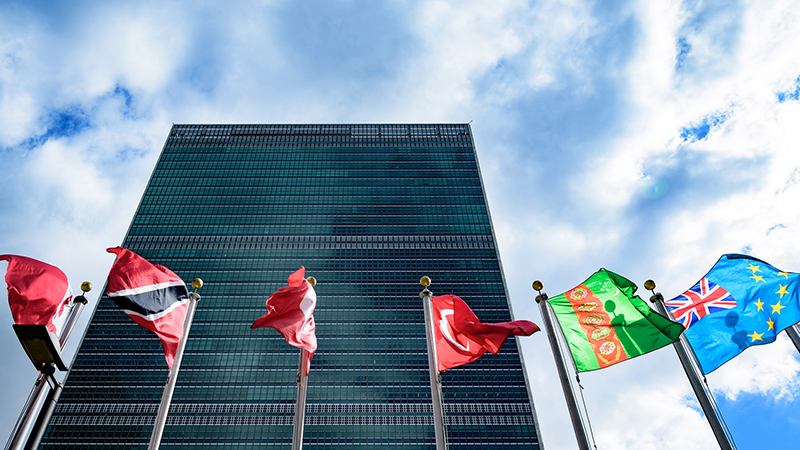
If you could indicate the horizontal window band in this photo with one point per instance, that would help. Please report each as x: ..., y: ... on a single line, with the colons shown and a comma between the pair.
x: 304, y: 246
x: 311, y: 408
x: 288, y: 420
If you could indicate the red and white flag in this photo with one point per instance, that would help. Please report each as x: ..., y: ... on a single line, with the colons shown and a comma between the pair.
x: 38, y: 293
x: 152, y: 295
x: 291, y: 312
x: 462, y: 338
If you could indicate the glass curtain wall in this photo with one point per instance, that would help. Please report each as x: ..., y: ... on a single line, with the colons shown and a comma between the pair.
x: 368, y: 210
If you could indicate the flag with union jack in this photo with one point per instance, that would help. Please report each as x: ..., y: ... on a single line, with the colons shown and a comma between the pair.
x: 741, y: 302
x: 703, y: 298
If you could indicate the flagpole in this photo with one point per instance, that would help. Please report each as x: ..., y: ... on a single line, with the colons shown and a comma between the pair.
x: 38, y: 394
x: 689, y: 362
x: 433, y: 367
x: 794, y: 334
x: 302, y: 387
x: 166, y: 398
x: 566, y: 385
x: 300, y: 404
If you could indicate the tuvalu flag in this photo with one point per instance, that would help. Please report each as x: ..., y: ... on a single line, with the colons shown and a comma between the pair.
x: 605, y: 323
x: 742, y: 301
x: 462, y: 338
x: 152, y: 295
x: 291, y: 312
x: 38, y: 293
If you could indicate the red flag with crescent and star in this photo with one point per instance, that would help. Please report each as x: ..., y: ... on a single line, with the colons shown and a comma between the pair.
x: 291, y: 312
x: 462, y: 338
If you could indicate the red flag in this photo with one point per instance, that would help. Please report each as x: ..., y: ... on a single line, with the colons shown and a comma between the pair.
x: 152, y: 295
x: 38, y: 293
x: 291, y: 312
x: 462, y: 338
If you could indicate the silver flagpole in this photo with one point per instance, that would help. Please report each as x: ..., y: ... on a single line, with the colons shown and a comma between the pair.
x: 566, y: 385
x: 38, y: 393
x: 690, y: 365
x: 436, y: 385
x: 302, y: 387
x: 794, y: 334
x: 300, y: 404
x: 172, y: 378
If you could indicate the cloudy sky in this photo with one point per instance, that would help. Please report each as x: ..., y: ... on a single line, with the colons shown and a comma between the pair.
x: 645, y: 137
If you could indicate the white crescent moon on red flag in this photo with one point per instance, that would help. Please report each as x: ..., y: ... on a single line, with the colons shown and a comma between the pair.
x: 444, y: 326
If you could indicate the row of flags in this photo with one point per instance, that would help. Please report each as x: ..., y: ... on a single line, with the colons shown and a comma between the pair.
x: 741, y: 302
x: 156, y: 298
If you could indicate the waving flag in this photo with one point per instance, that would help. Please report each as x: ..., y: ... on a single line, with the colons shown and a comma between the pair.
x: 742, y: 301
x: 38, y: 293
x: 605, y: 323
x: 291, y: 312
x: 462, y: 338
x: 150, y: 294
x: 704, y: 298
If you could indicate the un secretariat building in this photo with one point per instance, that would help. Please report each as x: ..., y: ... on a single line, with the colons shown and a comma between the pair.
x: 368, y: 210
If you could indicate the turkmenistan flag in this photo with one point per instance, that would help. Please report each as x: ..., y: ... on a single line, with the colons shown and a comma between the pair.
x: 605, y: 323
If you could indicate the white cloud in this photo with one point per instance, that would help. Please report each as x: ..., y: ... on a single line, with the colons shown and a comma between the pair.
x: 646, y: 417
x: 770, y: 370
x: 577, y: 109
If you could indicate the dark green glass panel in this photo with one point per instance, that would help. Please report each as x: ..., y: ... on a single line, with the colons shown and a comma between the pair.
x: 368, y: 210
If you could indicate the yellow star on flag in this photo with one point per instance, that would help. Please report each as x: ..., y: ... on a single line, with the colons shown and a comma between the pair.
x: 783, y: 274
x: 760, y: 305
x: 782, y: 290
x: 770, y: 323
x: 777, y: 307
x: 758, y: 278
x: 755, y: 336
x: 754, y: 268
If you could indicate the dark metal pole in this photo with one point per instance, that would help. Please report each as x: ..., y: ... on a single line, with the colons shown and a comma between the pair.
x: 569, y: 393
x: 433, y: 367
x: 302, y: 389
x: 701, y: 391
x: 44, y: 415
x: 28, y: 416
x: 300, y: 403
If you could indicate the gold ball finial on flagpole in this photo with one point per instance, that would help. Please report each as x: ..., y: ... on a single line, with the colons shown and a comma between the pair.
x: 425, y: 281
x: 312, y: 281
x: 649, y: 285
x: 86, y: 286
x: 538, y: 286
x: 197, y: 283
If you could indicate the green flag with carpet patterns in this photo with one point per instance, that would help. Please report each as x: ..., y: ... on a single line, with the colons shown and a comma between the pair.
x: 605, y: 323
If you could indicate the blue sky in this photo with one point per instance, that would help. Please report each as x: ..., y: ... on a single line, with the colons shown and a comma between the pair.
x: 648, y: 138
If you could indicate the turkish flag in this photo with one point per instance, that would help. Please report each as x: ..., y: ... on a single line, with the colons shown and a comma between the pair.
x: 291, y: 312
x: 38, y: 293
x: 462, y: 338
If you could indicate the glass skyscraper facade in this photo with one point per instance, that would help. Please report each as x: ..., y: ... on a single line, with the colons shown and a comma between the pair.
x: 368, y: 210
